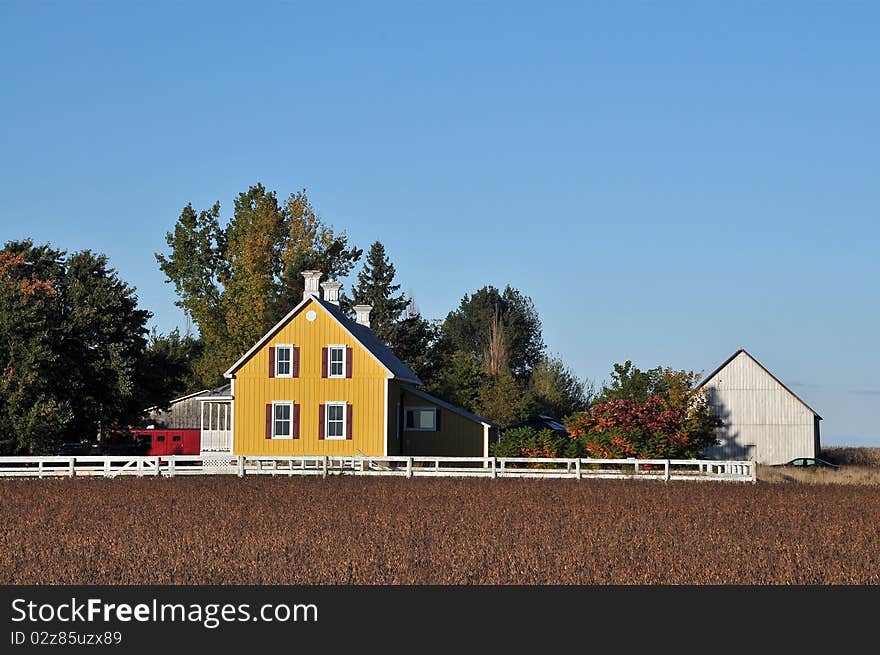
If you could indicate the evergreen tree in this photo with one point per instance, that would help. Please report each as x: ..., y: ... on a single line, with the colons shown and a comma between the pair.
x: 34, y: 409
x: 167, y: 369
x: 72, y: 342
x: 376, y: 287
x: 413, y: 339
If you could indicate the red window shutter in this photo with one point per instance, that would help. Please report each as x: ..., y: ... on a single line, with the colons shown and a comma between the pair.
x: 323, y: 363
x: 348, y: 362
x: 271, y: 361
x: 295, y: 363
x: 295, y: 429
x: 348, y: 413
x: 437, y: 419
x: 268, y: 420
x: 321, y: 415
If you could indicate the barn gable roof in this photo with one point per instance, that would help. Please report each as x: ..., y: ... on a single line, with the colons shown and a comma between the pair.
x: 360, y: 333
x: 743, y: 351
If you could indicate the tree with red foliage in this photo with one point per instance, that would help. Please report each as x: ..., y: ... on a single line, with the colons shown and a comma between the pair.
x: 655, y: 414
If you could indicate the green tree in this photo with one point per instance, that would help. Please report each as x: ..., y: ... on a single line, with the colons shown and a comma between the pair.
x: 557, y: 390
x: 167, y: 369
x: 34, y: 411
x: 458, y: 380
x: 485, y: 354
x: 105, y: 340
x: 655, y: 413
x: 529, y: 442
x: 309, y: 244
x: 72, y: 340
x: 504, y: 399
x: 376, y: 287
x: 470, y: 329
x: 628, y: 382
x: 236, y: 281
x: 413, y: 340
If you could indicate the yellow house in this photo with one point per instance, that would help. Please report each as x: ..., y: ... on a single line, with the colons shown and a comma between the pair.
x: 319, y: 383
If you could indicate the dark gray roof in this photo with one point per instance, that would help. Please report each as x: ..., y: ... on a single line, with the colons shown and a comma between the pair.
x: 452, y: 408
x: 372, y: 343
x: 225, y: 390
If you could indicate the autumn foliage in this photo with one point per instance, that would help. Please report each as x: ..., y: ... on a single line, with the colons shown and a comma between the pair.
x: 654, y: 414
x: 15, y: 276
x: 653, y: 428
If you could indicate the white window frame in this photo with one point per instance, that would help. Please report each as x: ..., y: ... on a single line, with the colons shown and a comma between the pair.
x: 410, y: 408
x: 275, y: 404
x: 335, y: 403
x: 330, y: 349
x: 289, y: 373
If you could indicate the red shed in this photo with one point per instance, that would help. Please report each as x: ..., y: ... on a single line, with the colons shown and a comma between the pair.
x: 169, y: 442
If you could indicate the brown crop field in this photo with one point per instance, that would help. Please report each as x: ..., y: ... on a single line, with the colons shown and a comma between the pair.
x: 392, y: 531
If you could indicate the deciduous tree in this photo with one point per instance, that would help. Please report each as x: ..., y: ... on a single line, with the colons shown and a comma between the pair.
x: 657, y: 413
x: 469, y: 329
x: 237, y: 280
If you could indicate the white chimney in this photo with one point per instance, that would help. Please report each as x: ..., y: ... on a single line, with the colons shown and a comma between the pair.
x: 362, y: 314
x: 331, y: 291
x: 311, y: 287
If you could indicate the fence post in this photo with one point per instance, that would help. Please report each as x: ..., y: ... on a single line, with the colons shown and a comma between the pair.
x: 324, y: 466
x: 240, y: 466
x: 494, y: 467
x: 40, y: 469
x: 666, y: 471
x: 753, y: 471
x: 72, y: 470
x: 106, y: 468
x: 409, y: 472
x: 171, y: 466
x: 577, y: 468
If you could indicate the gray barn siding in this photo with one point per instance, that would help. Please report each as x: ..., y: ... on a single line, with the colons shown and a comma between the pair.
x: 762, y: 419
x: 184, y: 414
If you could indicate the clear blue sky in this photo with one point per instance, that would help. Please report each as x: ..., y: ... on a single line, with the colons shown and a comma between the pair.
x: 667, y: 181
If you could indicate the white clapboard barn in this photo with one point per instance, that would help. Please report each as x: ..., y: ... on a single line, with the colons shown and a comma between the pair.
x: 764, y: 420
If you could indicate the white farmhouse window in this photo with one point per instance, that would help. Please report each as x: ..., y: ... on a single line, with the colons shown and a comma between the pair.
x: 336, y: 362
x: 284, y: 361
x: 421, y: 419
x: 335, y: 428
x: 282, y: 420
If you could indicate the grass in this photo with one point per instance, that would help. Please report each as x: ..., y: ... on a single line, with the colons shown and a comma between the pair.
x: 846, y: 475
x: 220, y: 530
x: 848, y: 455
x: 858, y: 466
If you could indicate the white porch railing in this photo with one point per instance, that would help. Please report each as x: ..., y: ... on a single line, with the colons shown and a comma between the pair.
x: 216, y: 441
x: 216, y: 426
x: 409, y: 467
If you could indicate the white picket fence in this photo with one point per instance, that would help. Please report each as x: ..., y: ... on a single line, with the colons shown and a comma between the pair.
x: 408, y: 467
